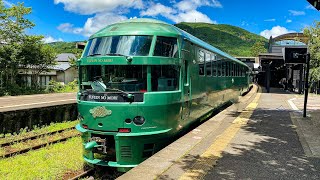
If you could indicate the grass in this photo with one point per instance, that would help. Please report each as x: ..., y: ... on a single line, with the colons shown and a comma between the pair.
x: 36, y: 131
x: 51, y: 162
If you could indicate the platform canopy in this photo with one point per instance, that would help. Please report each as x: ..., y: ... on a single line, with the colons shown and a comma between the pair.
x: 300, y: 37
x: 315, y: 3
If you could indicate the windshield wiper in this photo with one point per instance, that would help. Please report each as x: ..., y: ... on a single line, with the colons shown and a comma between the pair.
x: 116, y: 54
x: 95, y: 54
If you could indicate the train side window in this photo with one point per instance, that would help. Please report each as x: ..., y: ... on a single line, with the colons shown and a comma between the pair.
x: 165, y: 77
x: 208, y: 64
x: 238, y: 72
x: 218, y: 68
x: 223, y: 68
x: 166, y: 46
x: 227, y: 69
x: 214, y: 65
x: 201, y: 62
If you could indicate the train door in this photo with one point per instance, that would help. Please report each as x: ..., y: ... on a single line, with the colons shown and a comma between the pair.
x: 186, y: 58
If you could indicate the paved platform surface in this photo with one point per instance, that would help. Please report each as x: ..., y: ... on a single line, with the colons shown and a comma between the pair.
x: 265, y: 138
x: 12, y: 103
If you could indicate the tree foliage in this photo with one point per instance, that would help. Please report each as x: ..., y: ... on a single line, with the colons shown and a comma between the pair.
x: 257, y: 48
x: 19, y: 50
x: 313, y: 33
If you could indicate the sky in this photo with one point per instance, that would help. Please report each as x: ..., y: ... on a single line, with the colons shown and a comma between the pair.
x: 76, y: 20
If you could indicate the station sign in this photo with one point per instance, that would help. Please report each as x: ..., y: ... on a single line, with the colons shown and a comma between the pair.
x: 294, y: 55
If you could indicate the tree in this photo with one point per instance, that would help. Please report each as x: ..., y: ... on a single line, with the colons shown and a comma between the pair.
x: 313, y: 33
x: 36, y: 56
x: 18, y: 50
x: 258, y: 48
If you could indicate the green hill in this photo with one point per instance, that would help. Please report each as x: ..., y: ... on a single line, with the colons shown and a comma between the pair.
x: 233, y: 40
x: 64, y: 47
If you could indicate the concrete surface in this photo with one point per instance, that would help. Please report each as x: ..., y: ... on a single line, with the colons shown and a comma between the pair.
x: 264, y: 139
x: 11, y: 103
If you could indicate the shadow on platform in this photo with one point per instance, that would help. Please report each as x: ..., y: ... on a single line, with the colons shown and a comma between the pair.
x: 267, y: 147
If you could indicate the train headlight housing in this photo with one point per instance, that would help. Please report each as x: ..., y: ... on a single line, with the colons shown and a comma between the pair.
x: 139, y: 120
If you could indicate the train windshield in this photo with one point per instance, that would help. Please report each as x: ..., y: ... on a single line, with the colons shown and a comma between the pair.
x: 119, y: 45
x: 131, y: 78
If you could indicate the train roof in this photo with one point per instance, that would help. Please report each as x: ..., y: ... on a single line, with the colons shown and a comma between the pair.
x: 146, y: 26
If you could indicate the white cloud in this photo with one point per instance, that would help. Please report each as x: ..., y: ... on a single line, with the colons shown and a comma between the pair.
x: 98, y: 6
x: 192, y: 16
x: 185, y: 12
x: 288, y: 21
x: 107, y: 12
x: 157, y: 9
x: 270, y: 20
x: 187, y: 5
x: 297, y: 13
x: 92, y: 24
x: 275, y: 31
x: 50, y: 39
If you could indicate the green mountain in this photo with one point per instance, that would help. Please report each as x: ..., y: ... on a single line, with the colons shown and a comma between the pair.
x: 64, y: 47
x: 230, y: 39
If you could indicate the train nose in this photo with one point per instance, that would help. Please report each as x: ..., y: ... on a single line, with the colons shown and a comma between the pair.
x: 106, y: 118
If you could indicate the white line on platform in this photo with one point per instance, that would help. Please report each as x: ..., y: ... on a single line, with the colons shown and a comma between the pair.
x: 293, y: 106
x: 35, y: 103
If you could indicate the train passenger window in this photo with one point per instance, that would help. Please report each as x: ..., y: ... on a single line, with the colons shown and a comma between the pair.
x: 237, y: 66
x: 165, y: 77
x: 208, y: 64
x: 214, y: 65
x: 223, y: 69
x: 231, y: 69
x: 201, y: 62
x: 219, y: 68
x: 166, y: 46
x: 227, y: 69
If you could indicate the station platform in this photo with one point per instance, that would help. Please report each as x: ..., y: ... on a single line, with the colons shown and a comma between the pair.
x: 264, y: 136
x: 12, y: 103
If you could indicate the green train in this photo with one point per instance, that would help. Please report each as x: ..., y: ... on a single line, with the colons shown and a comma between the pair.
x: 142, y: 82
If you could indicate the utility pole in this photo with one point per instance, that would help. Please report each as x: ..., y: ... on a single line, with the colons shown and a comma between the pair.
x: 306, y: 86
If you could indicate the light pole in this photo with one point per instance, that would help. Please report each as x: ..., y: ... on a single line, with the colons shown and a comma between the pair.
x: 306, y: 86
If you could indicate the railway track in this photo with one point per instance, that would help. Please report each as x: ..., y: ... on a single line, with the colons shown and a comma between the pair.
x: 34, y: 137
x: 10, y: 151
x: 82, y: 174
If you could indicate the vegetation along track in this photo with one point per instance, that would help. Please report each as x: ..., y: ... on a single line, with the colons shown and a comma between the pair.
x: 37, y: 142
x: 33, y: 137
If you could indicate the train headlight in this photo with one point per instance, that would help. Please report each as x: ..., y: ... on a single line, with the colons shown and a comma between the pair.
x: 139, y: 120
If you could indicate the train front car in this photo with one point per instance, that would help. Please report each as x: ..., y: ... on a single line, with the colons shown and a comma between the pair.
x: 129, y: 98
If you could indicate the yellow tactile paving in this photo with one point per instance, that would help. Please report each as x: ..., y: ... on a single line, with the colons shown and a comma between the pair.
x: 208, y: 159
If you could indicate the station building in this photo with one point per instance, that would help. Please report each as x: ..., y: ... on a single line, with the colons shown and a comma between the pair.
x: 274, y: 71
x: 62, y: 72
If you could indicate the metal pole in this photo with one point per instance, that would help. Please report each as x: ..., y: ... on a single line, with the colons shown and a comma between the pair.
x: 268, y: 77
x: 306, y: 86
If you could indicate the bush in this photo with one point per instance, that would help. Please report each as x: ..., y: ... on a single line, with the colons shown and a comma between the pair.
x: 57, y: 87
